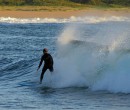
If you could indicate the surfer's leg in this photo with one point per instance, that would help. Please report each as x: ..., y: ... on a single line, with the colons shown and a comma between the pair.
x: 42, y: 74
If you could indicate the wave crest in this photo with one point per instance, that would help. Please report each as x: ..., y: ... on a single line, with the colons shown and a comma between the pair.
x: 85, y: 19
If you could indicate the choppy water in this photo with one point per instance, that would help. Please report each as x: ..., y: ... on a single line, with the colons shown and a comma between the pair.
x: 92, y: 63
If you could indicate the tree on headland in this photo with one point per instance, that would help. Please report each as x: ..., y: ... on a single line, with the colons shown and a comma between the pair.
x: 95, y: 2
x: 108, y: 2
x: 12, y: 2
x: 118, y: 2
x: 80, y: 1
x: 29, y: 2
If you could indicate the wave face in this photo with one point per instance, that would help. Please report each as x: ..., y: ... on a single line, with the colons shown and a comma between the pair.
x: 95, y: 55
x: 85, y: 19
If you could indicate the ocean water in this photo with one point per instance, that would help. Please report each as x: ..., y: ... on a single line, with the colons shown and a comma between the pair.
x: 91, y: 63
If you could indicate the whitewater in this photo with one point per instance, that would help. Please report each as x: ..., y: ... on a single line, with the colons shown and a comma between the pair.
x: 91, y: 63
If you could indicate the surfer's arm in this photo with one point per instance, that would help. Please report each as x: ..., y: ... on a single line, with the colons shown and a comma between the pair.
x: 40, y: 62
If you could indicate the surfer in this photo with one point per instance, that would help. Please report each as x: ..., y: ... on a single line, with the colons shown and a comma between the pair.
x: 48, y: 63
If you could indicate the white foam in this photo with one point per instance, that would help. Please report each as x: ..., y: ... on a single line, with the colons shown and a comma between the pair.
x: 100, y: 60
x: 85, y: 19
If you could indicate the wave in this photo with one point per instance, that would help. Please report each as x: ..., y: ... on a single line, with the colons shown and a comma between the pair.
x: 99, y: 61
x: 72, y: 19
x: 15, y: 69
x: 94, y: 54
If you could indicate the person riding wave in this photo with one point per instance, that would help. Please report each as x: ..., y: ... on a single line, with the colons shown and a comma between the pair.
x: 48, y: 63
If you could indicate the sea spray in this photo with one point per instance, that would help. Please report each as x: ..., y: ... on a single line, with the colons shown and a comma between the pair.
x: 99, y: 60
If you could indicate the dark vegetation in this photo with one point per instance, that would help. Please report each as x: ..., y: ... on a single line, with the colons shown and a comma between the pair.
x: 63, y: 2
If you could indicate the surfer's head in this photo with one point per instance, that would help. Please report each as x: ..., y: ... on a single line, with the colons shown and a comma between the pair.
x: 45, y: 50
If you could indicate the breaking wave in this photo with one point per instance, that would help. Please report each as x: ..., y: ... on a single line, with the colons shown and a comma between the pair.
x: 96, y: 56
x: 85, y: 19
x: 91, y: 52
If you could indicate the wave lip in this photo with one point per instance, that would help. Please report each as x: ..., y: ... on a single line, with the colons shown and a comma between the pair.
x: 72, y: 19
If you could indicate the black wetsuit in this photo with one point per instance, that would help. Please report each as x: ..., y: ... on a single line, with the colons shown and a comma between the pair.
x: 48, y: 64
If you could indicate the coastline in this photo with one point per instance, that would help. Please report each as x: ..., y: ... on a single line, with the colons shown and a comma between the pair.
x: 65, y: 14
